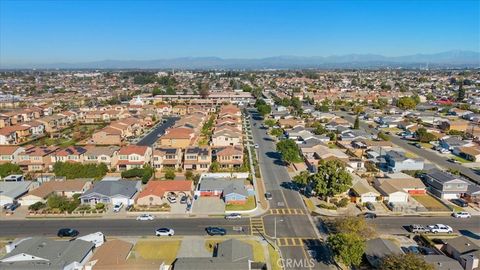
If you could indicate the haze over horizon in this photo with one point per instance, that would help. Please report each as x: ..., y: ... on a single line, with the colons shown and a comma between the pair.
x: 47, y: 32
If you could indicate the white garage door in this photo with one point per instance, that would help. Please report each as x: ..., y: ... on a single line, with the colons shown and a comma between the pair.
x: 369, y: 199
x: 398, y: 197
x: 125, y: 201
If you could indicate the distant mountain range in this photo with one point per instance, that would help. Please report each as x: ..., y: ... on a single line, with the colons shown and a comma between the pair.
x: 449, y: 59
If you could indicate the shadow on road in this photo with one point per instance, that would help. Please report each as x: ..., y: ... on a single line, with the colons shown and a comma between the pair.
x: 319, y: 251
x: 289, y: 185
x: 277, y: 158
x: 470, y: 234
x: 267, y: 139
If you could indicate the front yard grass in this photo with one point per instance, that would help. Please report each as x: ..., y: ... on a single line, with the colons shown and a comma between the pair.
x: 430, y: 203
x: 461, y: 160
x: 165, y: 250
x: 410, y: 155
x: 249, y: 205
x: 274, y: 258
x: 426, y: 145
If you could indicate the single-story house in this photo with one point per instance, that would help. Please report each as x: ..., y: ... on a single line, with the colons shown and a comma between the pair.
x: 378, y: 248
x: 11, y: 191
x: 399, y: 190
x: 362, y: 192
x: 45, y: 253
x: 154, y: 192
x: 66, y: 188
x: 112, y: 192
x: 233, y: 191
x: 464, y: 251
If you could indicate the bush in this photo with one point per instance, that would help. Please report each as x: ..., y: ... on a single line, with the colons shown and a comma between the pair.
x: 343, y: 202
x: 9, y: 168
x: 100, y: 206
x: 77, y: 170
x: 37, y: 206
x: 189, y: 175
x: 169, y: 174
x: 144, y: 173
x: 329, y: 207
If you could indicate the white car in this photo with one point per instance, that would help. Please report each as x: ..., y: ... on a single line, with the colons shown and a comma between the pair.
x: 164, y: 232
x: 117, y: 207
x: 440, y: 228
x: 256, y: 146
x: 233, y: 216
x: 145, y: 217
x: 461, y: 215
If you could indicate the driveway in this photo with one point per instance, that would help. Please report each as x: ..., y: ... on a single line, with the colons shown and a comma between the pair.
x: 193, y: 246
x: 208, y: 205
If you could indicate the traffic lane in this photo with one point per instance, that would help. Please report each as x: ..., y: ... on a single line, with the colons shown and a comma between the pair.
x: 152, y: 137
x: 298, y: 226
x: 398, y: 225
x: 273, y: 171
x: 119, y: 227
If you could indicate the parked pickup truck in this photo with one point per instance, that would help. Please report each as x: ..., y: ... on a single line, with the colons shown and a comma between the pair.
x: 415, y: 228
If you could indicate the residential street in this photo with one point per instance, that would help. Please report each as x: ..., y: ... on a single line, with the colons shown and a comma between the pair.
x: 432, y: 157
x: 276, y: 178
x: 152, y: 137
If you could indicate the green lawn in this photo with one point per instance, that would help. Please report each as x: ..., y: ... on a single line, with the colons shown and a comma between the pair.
x: 410, y: 155
x: 430, y: 203
x: 461, y: 160
x: 274, y: 258
x: 165, y: 250
x: 249, y: 205
x: 426, y: 145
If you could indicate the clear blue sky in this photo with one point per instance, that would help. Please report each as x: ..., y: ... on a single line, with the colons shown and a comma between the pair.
x: 77, y: 31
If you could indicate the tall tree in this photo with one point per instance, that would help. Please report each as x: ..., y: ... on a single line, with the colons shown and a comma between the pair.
x: 289, y: 151
x: 331, y: 178
x: 461, y: 92
x: 301, y: 179
x: 356, y: 125
x: 347, y: 248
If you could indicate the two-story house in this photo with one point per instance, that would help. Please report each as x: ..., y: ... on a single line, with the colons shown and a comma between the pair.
x: 177, y: 137
x: 197, y: 158
x: 69, y: 154
x: 36, y: 158
x: 230, y: 157
x: 133, y: 156
x: 107, y: 155
x: 167, y: 158
x: 445, y: 185
x: 9, y: 154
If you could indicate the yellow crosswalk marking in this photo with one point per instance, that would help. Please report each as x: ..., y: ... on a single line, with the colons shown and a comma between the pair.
x: 297, y: 242
x: 286, y: 211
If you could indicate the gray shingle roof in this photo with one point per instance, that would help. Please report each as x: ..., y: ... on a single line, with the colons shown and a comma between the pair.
x: 57, y: 254
x: 125, y: 188
x: 14, y: 189
x: 227, y: 185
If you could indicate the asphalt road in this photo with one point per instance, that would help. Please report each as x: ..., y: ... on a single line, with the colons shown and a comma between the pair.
x: 426, y: 154
x: 397, y: 225
x: 152, y: 137
x: 288, y: 227
x: 119, y: 227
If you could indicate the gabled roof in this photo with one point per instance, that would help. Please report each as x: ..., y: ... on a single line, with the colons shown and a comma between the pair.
x: 124, y: 188
x: 159, y: 188
x: 442, y: 176
x: 133, y: 149
x: 58, y: 186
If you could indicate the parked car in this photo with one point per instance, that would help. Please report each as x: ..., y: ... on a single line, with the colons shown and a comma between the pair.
x: 67, y: 232
x: 369, y: 215
x: 145, y: 217
x: 411, y: 249
x: 427, y: 251
x: 415, y: 228
x: 215, y: 231
x: 233, y: 216
x: 184, y: 200
x: 256, y: 146
x: 461, y: 215
x: 370, y: 206
x: 443, y: 151
x: 418, y: 145
x: 460, y: 202
x: 117, y: 207
x: 452, y: 160
x: 11, y: 206
x: 268, y: 196
x: 164, y: 232
x: 171, y: 199
x: 440, y: 228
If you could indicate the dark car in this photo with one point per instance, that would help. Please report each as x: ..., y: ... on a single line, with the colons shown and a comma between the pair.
x: 460, y: 202
x: 268, y: 196
x: 413, y: 249
x: 67, y: 232
x: 370, y: 206
x: 215, y: 231
x: 11, y: 206
x: 427, y: 251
